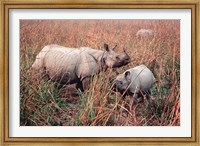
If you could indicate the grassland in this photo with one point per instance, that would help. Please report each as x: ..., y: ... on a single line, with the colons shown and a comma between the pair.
x: 42, y: 103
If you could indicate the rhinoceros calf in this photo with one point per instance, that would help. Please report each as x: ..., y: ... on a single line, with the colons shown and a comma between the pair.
x: 136, y: 82
x: 73, y: 65
x: 145, y: 33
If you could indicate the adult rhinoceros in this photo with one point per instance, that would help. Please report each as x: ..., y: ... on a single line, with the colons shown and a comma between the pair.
x: 77, y: 65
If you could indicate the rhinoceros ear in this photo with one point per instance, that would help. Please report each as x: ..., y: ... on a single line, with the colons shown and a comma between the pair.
x: 124, y: 50
x: 127, y: 74
x: 114, y: 47
x: 106, y: 47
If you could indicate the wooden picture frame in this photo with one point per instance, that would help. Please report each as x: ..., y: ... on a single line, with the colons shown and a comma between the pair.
x: 4, y: 92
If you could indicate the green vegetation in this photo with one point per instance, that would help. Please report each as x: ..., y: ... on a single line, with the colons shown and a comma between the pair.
x: 44, y: 102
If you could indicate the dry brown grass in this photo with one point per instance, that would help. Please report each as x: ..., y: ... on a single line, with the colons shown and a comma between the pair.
x: 42, y: 103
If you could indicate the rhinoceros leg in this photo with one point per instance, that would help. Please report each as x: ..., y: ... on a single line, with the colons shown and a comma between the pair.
x: 79, y: 86
x: 135, y: 98
x: 136, y: 94
x: 146, y: 93
x: 149, y: 97
x: 85, y: 83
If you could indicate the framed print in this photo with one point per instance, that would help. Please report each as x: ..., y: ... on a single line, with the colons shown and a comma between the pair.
x: 100, y: 72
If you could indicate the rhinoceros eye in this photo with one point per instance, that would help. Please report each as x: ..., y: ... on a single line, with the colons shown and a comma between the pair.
x: 117, y: 58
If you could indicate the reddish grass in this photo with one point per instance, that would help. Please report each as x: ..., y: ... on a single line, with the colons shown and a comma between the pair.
x: 44, y: 104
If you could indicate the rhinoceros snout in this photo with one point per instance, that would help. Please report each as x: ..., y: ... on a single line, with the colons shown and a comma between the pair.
x: 116, y: 85
x: 127, y: 60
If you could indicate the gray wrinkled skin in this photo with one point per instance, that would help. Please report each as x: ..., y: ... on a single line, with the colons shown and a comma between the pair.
x: 76, y: 65
x: 135, y: 81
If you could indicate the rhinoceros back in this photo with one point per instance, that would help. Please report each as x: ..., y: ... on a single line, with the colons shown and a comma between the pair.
x: 142, y: 78
x: 87, y: 65
x: 67, y: 65
x: 60, y: 63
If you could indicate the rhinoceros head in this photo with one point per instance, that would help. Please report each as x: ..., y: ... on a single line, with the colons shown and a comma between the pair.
x: 122, y: 82
x: 113, y: 59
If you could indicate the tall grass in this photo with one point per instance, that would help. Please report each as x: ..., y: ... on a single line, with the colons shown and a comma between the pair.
x: 42, y: 102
